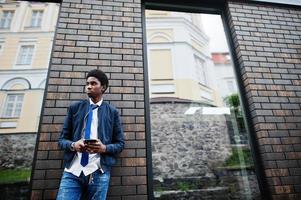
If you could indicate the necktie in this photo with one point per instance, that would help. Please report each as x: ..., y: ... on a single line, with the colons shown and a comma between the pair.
x: 85, y: 155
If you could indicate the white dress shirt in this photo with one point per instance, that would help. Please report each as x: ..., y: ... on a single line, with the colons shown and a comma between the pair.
x: 94, y: 158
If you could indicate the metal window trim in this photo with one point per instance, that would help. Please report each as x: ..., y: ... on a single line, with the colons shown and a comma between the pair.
x: 208, y: 8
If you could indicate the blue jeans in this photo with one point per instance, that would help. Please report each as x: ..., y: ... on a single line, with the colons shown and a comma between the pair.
x: 84, y: 187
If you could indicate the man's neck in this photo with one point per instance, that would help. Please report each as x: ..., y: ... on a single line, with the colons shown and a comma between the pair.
x: 96, y: 100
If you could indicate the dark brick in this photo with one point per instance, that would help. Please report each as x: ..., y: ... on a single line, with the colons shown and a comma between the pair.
x: 295, y: 171
x: 278, y: 99
x: 270, y: 164
x: 50, y: 194
x: 276, y: 172
x: 134, y: 162
x: 129, y: 135
x: 264, y: 141
x: 123, y: 171
x: 48, y: 164
x: 42, y: 155
x: 266, y: 149
x: 115, y: 181
x: 141, y: 152
x: 133, y: 180
x: 278, y: 133
x: 297, y: 147
x: 38, y: 174
x: 290, y: 106
x: 135, y: 144
x: 113, y: 197
x: 273, y: 156
x: 141, y: 189
x: 53, y: 174
x: 47, y: 146
x: 291, y: 140
x: 136, y: 197
x: 282, y: 148
x: 283, y: 189
x: 293, y: 155
x: 274, y: 181
x: 274, y: 119
x: 36, y: 194
x: 55, y: 154
x: 287, y: 163
x: 122, y: 190
x: 141, y: 170
x: 128, y: 153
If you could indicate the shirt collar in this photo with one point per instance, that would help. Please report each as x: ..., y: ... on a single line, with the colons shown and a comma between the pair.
x: 98, y: 103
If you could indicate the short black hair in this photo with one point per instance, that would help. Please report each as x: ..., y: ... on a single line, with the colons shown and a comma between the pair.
x: 100, y: 75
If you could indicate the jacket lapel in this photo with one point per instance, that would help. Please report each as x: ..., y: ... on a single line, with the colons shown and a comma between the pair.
x: 85, y: 112
x: 100, y: 114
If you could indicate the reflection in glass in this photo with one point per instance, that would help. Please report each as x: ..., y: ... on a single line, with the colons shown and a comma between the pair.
x: 200, y: 146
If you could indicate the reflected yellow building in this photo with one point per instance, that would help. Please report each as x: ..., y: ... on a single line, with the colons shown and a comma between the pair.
x: 179, y: 60
x: 26, y: 36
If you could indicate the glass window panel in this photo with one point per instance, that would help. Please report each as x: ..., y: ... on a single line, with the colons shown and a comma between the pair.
x: 36, y: 18
x: 13, y: 105
x: 25, y: 55
x: 201, y: 71
x: 199, y: 140
x: 6, y: 19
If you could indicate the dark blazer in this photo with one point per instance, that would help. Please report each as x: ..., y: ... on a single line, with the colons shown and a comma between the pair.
x: 109, y: 129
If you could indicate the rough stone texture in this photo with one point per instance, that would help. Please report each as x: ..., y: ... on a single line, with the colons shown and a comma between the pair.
x: 227, y: 184
x: 267, y: 41
x: 17, y: 150
x: 187, y: 145
x: 190, y: 150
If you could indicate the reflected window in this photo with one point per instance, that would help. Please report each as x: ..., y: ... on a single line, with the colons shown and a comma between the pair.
x: 230, y: 85
x: 200, y: 146
x: 161, y: 64
x: 36, y: 18
x: 25, y: 55
x: 6, y: 19
x: 201, y: 71
x: 13, y: 106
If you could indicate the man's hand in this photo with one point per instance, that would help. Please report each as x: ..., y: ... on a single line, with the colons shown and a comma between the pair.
x: 79, y: 146
x: 97, y: 147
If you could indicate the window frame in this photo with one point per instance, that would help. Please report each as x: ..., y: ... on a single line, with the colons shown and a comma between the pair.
x: 9, y: 20
x: 201, y: 67
x: 1, y: 46
x: 27, y: 52
x: 38, y: 18
x: 212, y: 7
x: 25, y: 42
x: 14, y: 108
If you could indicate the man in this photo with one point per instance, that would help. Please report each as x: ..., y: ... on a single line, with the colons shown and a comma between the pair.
x: 87, y: 161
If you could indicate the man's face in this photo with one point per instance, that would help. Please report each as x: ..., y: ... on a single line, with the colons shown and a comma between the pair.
x: 94, y: 89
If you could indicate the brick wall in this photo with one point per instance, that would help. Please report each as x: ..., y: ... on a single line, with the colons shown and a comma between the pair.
x: 267, y: 41
x: 106, y: 35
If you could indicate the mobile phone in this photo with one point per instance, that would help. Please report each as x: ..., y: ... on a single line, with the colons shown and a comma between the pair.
x: 90, y: 141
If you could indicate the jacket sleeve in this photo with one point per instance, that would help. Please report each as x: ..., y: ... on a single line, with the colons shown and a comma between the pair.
x: 117, y: 144
x: 65, y: 139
